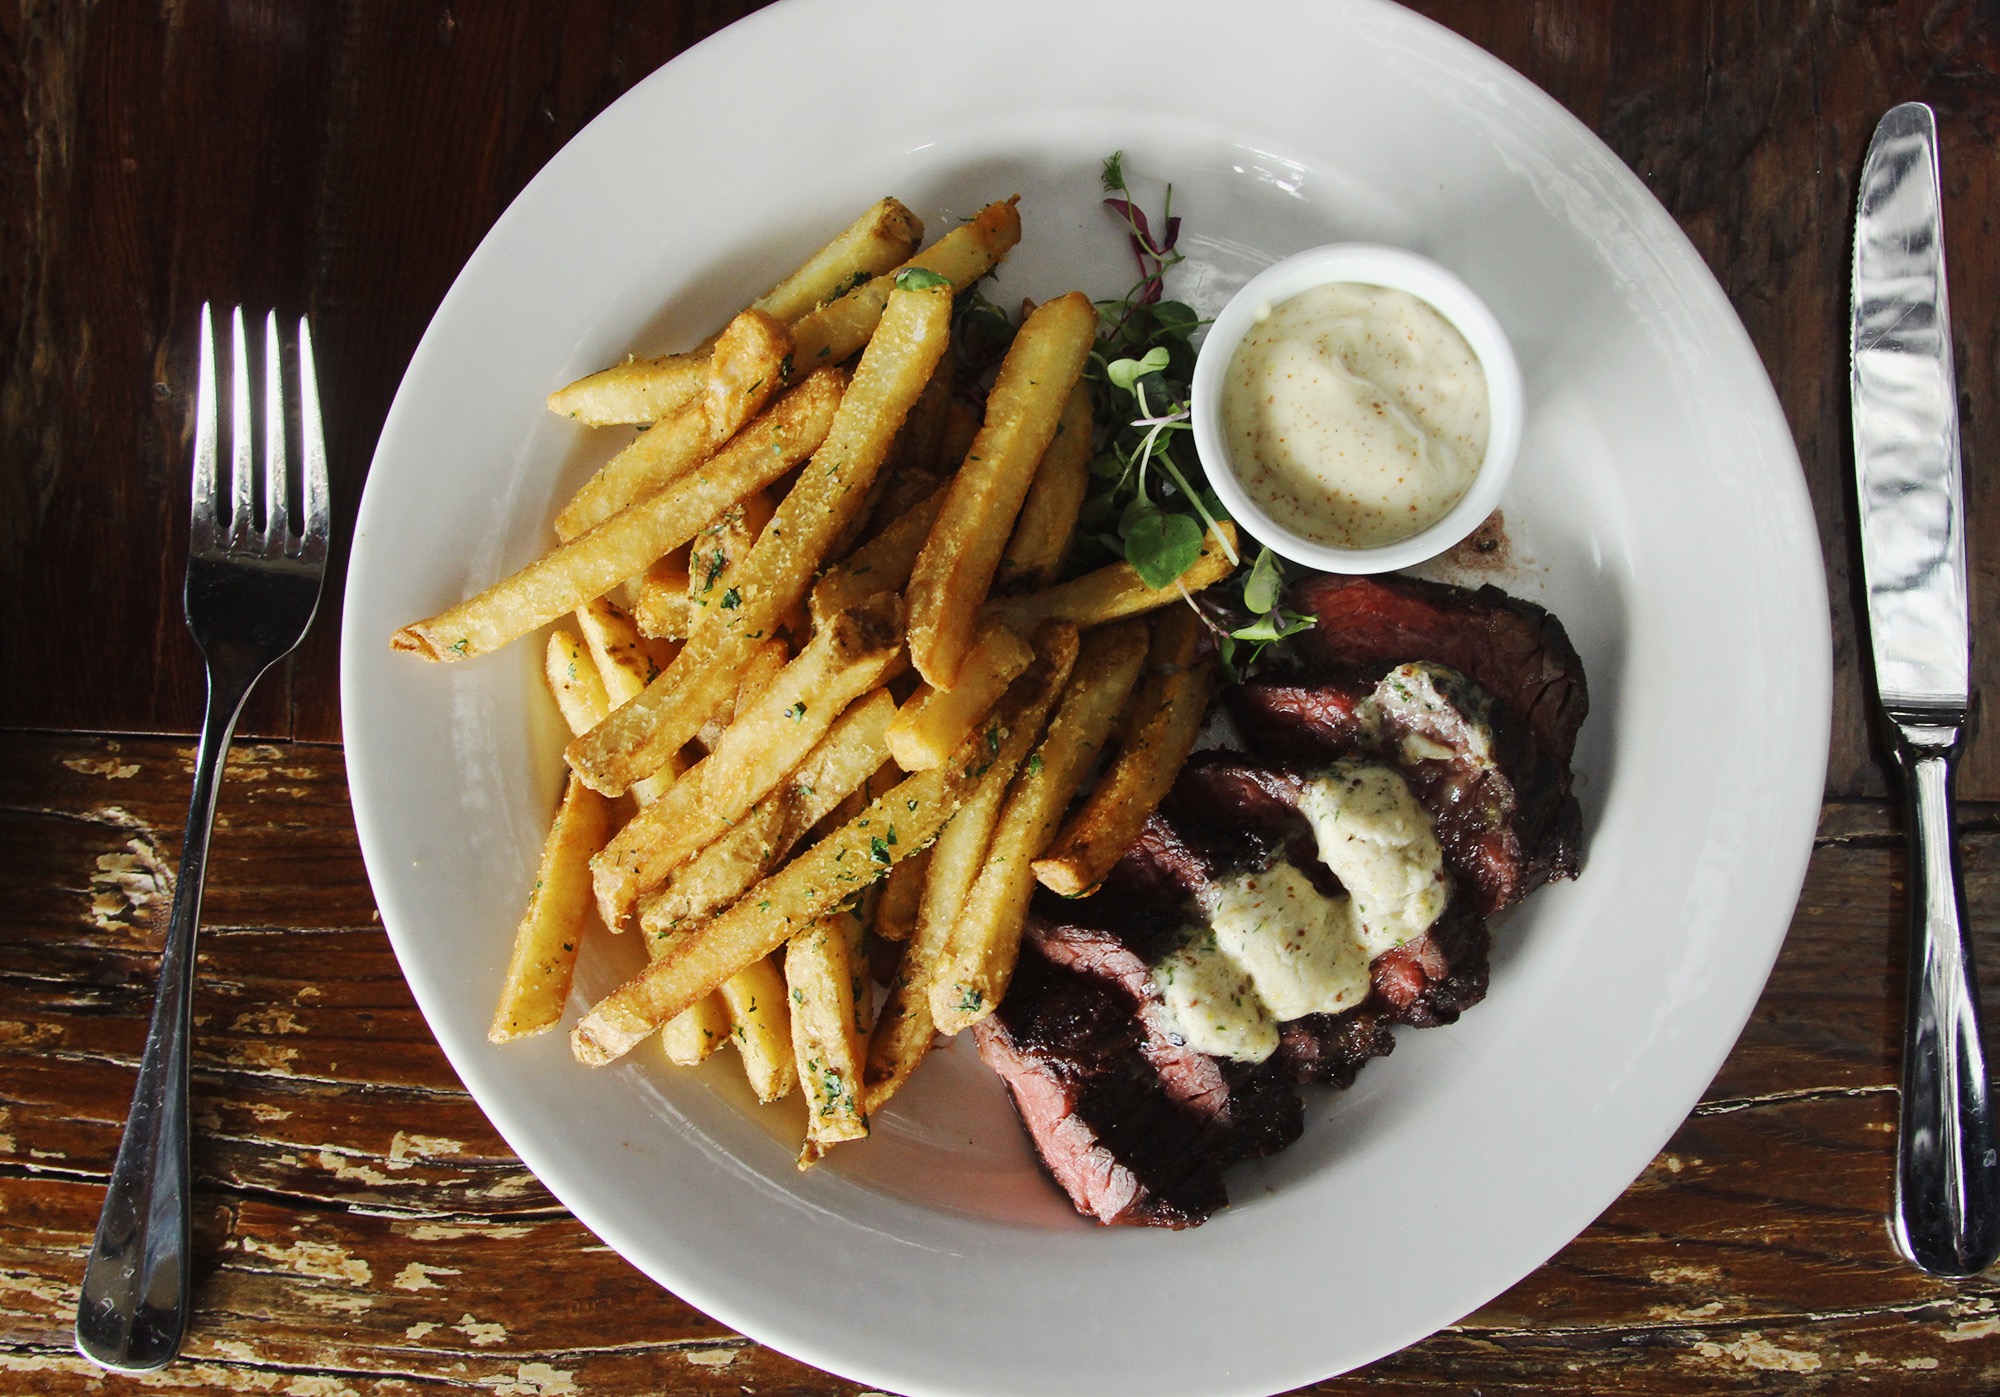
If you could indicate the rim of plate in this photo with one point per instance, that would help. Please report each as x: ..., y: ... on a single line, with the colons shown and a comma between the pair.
x: 1737, y: 915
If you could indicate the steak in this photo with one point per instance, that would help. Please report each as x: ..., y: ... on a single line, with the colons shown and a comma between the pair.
x: 1068, y: 1047
x: 1513, y: 649
x: 1476, y: 699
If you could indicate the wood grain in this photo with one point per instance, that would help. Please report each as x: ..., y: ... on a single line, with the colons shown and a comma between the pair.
x: 364, y: 1223
x: 363, y: 1229
x: 273, y: 157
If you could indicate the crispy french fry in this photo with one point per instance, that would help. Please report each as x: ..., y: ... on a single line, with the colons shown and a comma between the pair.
x: 902, y: 891
x: 820, y: 978
x: 638, y: 390
x: 932, y: 722
x: 893, y: 827
x: 750, y: 362
x: 880, y: 565
x: 761, y: 1028
x: 662, y: 609
x: 717, y: 550
x: 575, y: 682
x: 760, y: 667
x: 1158, y: 733
x: 544, y: 958
x: 1115, y: 591
x: 769, y: 737
x: 955, y: 569
x: 903, y: 1032
x: 646, y: 390
x: 874, y: 243
x: 629, y: 542
x: 965, y: 254
x: 985, y: 938
x: 1047, y: 524
x: 776, y: 573
x: 626, y: 665
x: 840, y: 765
x: 692, y: 1036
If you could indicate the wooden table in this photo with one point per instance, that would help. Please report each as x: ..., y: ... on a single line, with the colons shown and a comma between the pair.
x: 362, y: 1230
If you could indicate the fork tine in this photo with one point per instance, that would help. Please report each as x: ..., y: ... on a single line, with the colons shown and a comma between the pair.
x: 242, y: 486
x: 201, y: 517
x: 275, y: 467
x: 314, y: 496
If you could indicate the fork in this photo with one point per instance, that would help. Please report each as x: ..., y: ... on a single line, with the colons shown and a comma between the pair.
x: 250, y: 596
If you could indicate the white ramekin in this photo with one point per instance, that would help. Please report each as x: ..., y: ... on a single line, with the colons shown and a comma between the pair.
x: 1368, y: 265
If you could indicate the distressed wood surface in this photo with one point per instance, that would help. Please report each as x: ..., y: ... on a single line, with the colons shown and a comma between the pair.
x: 362, y: 1228
x: 362, y: 1223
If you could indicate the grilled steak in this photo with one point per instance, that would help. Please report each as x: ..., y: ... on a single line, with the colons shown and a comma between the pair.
x: 1476, y: 699
x: 1068, y: 1047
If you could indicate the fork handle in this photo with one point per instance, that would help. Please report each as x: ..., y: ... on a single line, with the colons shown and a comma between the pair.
x: 134, y: 1305
x: 1947, y: 1173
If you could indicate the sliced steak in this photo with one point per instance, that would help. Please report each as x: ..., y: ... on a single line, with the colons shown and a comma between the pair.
x: 1331, y: 1048
x: 1250, y: 1107
x: 1513, y: 649
x: 1069, y: 1048
x: 1439, y: 975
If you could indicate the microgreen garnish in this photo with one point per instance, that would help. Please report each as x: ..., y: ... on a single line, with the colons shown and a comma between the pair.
x: 920, y: 279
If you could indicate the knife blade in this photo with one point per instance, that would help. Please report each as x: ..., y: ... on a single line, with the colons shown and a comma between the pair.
x: 1912, y: 512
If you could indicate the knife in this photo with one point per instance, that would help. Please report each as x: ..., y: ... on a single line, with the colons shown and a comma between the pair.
x: 1906, y: 465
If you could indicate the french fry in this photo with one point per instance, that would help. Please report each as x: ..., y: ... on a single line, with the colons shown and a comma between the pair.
x: 840, y: 765
x: 965, y: 254
x: 874, y: 243
x: 575, y: 682
x: 893, y: 827
x: 760, y: 667
x: 1158, y: 732
x: 1047, y: 524
x: 880, y: 565
x: 638, y: 390
x: 902, y: 892
x: 768, y: 738
x: 630, y: 541
x: 985, y: 938
x: 646, y: 390
x: 820, y: 979
x: 776, y: 573
x: 1114, y: 591
x: 749, y: 364
x: 691, y: 1037
x: 956, y: 567
x: 904, y: 1030
x: 932, y: 722
x: 761, y: 1028
x: 544, y: 957
x: 625, y: 662
x: 661, y: 609
x: 717, y: 550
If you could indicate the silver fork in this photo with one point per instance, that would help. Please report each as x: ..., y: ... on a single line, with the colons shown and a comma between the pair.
x: 251, y: 593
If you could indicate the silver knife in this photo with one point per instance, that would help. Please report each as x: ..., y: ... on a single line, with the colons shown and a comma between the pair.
x: 1906, y: 465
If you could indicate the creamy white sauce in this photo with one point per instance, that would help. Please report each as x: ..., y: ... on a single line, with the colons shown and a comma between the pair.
x: 1277, y: 949
x: 1383, y: 847
x: 1214, y: 1007
x: 1299, y: 947
x: 1355, y: 415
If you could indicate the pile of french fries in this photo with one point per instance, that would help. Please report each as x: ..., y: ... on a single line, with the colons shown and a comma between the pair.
x: 831, y: 704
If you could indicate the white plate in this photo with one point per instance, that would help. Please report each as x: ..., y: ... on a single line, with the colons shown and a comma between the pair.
x: 1658, y: 502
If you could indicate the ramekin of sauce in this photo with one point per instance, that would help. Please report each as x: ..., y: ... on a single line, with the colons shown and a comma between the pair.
x: 1357, y: 408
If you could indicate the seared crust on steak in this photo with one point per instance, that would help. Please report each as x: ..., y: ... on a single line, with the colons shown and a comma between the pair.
x: 1513, y: 649
x: 1068, y: 1048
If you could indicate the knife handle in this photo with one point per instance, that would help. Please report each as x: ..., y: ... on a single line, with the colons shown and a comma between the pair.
x: 1947, y: 1217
